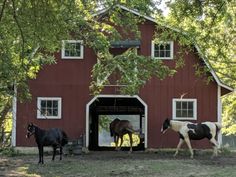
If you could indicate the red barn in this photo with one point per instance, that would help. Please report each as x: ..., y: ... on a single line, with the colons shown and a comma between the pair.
x: 61, y: 97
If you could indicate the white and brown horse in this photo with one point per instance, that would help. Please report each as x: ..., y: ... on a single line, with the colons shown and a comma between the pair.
x: 118, y: 128
x: 191, y: 131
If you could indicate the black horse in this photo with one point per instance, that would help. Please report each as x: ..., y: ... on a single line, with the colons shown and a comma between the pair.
x: 53, y: 137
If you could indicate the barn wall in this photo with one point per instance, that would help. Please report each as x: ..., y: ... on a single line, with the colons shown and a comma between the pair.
x: 70, y: 79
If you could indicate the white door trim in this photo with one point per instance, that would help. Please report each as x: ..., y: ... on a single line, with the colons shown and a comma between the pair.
x: 116, y: 96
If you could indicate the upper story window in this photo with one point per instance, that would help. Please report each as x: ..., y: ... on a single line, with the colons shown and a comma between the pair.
x: 163, y: 50
x: 49, y: 108
x: 184, y: 109
x: 72, y: 49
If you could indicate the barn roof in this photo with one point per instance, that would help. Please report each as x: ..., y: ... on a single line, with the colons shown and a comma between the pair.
x: 226, y: 88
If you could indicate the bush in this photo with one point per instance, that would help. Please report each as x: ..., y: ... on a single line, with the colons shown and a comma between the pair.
x: 8, y: 151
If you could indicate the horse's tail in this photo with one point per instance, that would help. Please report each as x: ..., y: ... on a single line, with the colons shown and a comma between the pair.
x: 64, y: 138
x: 133, y: 131
x: 218, y: 127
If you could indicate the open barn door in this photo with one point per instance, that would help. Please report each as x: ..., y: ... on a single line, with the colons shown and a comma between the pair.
x: 104, y: 109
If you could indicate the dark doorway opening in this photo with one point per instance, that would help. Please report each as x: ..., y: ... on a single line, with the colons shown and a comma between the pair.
x: 103, y: 110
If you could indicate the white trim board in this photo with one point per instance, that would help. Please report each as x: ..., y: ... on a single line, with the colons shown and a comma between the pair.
x: 117, y: 96
x: 219, y: 114
x: 14, y: 109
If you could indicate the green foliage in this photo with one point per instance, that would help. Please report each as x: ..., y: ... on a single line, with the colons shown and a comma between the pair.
x: 135, y: 71
x: 31, y: 31
x: 210, y: 25
x: 225, y: 151
x: 8, y: 151
x: 104, y: 122
x: 229, y: 115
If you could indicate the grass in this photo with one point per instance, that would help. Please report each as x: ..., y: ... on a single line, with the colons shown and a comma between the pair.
x: 106, y: 164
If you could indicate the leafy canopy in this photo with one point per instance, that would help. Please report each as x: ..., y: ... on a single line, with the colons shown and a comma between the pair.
x: 31, y: 31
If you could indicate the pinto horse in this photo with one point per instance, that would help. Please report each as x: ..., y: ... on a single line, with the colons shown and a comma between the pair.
x: 191, y: 131
x: 118, y: 128
x: 53, y: 137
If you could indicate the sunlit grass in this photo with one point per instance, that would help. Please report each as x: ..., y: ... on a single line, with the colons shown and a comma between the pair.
x: 126, y: 141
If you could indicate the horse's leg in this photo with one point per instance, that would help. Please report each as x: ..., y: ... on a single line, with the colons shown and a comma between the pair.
x: 181, y: 141
x: 116, y: 138
x: 54, y: 152
x: 60, y: 152
x: 189, y: 146
x: 121, y: 141
x: 39, y: 148
x: 42, y: 154
x: 215, y: 146
x: 131, y: 142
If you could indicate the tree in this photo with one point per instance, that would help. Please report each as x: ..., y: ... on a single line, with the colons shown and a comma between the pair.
x: 31, y: 31
x: 229, y: 115
x: 211, y: 25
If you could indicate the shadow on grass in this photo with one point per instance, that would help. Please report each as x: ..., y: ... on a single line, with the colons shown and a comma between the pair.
x: 102, y: 163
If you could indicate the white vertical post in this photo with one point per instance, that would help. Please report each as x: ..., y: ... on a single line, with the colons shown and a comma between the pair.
x: 219, y: 113
x: 14, y: 109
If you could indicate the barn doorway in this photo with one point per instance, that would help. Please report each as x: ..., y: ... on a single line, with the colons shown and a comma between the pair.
x: 102, y: 109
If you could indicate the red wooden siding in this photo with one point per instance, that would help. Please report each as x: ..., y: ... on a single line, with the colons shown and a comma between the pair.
x: 70, y: 79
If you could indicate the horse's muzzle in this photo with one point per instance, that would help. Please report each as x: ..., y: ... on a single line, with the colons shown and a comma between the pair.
x: 29, y: 134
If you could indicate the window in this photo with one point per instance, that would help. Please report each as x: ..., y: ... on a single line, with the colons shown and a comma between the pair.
x: 49, y: 108
x: 72, y: 49
x: 163, y: 50
x: 185, y: 109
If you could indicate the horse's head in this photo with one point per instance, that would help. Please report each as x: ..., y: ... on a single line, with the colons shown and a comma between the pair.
x: 30, y: 130
x: 165, y: 126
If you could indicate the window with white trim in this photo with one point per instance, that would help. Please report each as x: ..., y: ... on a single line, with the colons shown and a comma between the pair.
x: 72, y: 49
x: 163, y: 50
x: 184, y: 109
x: 49, y: 108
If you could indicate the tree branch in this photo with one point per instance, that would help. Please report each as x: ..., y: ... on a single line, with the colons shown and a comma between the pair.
x: 2, y: 10
x: 3, y: 113
x: 20, y: 29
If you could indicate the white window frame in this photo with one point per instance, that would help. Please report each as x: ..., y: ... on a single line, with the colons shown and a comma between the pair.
x: 72, y: 57
x: 184, y: 118
x: 163, y: 42
x: 40, y: 116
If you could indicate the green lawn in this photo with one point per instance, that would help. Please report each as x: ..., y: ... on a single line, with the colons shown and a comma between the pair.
x: 106, y: 164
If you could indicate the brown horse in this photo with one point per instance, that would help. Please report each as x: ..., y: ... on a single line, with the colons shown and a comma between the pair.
x: 118, y: 128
